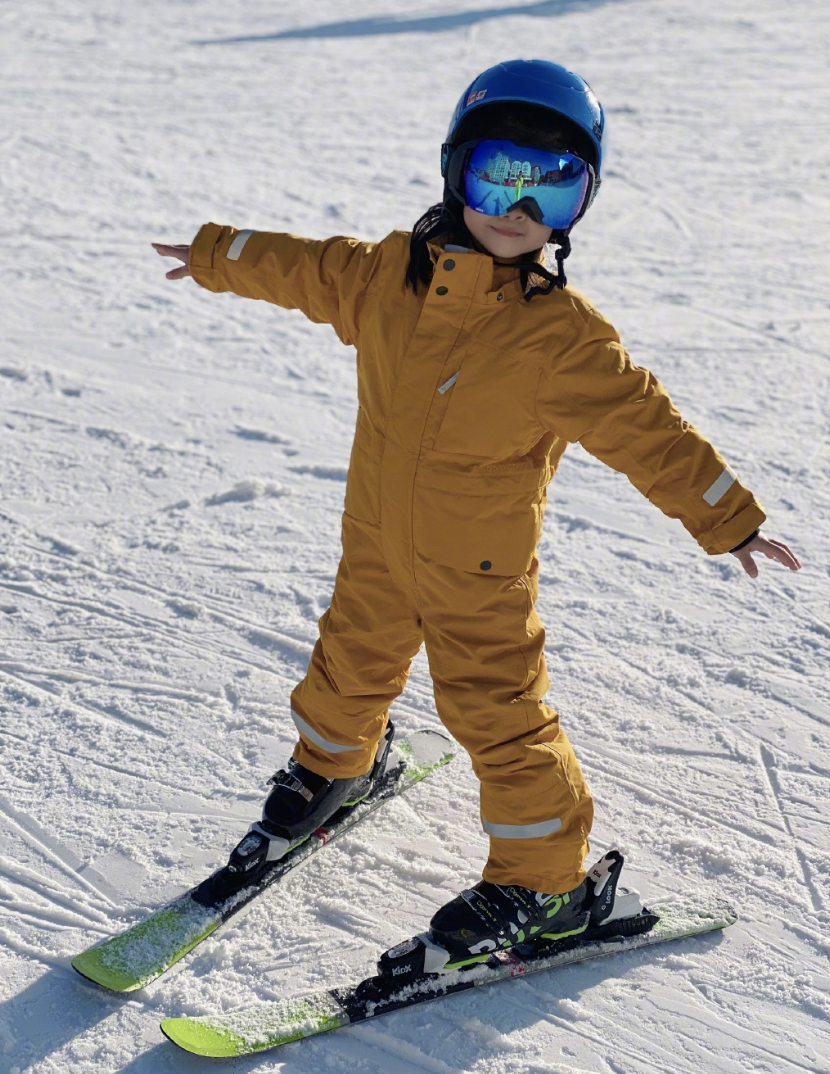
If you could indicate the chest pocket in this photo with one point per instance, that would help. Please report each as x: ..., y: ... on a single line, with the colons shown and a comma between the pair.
x: 490, y: 410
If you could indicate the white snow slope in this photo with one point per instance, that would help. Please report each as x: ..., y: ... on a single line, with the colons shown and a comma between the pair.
x: 172, y: 469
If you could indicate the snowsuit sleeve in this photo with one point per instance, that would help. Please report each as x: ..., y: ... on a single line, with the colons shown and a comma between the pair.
x: 591, y: 392
x: 326, y: 279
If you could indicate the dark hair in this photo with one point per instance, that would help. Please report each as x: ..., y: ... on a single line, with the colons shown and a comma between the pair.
x: 522, y: 124
x: 444, y: 219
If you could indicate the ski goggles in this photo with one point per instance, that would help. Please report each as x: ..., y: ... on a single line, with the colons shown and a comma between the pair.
x: 495, y: 176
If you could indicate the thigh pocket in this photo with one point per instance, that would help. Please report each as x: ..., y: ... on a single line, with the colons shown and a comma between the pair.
x: 484, y: 534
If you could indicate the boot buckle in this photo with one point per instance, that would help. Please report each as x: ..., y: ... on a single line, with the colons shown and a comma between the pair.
x: 286, y: 779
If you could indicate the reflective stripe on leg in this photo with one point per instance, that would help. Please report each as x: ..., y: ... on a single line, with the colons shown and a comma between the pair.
x: 308, y: 732
x: 522, y: 831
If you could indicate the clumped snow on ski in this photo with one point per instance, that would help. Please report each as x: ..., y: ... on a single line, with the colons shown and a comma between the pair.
x: 172, y: 474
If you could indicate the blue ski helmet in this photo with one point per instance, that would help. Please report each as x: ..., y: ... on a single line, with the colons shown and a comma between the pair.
x: 536, y: 82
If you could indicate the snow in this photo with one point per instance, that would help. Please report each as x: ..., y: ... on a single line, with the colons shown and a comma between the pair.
x: 172, y: 476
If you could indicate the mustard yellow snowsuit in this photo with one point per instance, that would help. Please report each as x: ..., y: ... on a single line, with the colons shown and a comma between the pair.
x: 468, y: 396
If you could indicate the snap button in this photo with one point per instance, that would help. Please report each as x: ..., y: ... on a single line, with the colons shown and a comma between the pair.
x: 449, y: 264
x: 499, y: 297
x: 442, y: 290
x: 486, y: 565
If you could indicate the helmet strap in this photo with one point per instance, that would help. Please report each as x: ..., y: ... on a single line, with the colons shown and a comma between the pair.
x: 563, y: 250
x: 528, y: 269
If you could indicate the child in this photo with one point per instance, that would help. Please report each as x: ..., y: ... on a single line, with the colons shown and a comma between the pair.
x: 476, y: 368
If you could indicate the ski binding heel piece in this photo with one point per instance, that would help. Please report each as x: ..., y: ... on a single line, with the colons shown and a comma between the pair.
x: 603, y: 879
x: 615, y: 911
x: 385, y: 754
x: 627, y: 903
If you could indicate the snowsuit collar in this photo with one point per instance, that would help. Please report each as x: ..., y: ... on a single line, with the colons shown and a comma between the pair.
x: 495, y: 278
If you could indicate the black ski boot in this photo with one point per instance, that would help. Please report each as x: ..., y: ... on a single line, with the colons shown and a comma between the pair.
x: 488, y: 917
x: 486, y: 920
x: 300, y: 803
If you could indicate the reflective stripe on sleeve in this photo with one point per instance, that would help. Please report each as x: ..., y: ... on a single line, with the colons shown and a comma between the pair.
x: 522, y: 831
x: 237, y: 245
x: 448, y: 384
x: 318, y: 740
x: 718, y: 489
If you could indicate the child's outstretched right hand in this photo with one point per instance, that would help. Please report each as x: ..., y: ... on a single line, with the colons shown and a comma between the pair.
x: 771, y: 549
x: 181, y: 252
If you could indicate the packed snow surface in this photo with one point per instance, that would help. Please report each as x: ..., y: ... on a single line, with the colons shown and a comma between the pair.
x: 173, y: 464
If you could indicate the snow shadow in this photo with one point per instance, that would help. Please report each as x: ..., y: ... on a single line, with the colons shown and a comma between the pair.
x: 166, y: 1058
x: 393, y: 24
x: 52, y: 1011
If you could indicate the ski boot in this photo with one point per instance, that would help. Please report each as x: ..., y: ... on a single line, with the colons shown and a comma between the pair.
x: 300, y: 803
x: 488, y: 917
x: 491, y: 918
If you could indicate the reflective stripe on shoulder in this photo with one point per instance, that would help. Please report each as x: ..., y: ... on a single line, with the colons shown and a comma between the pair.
x: 318, y: 740
x: 718, y: 489
x: 237, y: 245
x: 448, y: 384
x: 522, y: 831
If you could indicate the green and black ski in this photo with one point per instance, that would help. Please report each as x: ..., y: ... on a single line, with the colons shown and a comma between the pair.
x: 268, y: 1025
x: 145, y: 951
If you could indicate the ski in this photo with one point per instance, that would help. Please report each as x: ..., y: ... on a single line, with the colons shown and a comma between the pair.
x: 256, y: 1029
x: 145, y: 951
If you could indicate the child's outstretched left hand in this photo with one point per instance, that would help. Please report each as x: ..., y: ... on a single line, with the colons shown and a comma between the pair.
x: 771, y: 549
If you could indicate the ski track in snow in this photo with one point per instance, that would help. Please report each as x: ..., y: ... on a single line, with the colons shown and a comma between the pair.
x: 172, y: 474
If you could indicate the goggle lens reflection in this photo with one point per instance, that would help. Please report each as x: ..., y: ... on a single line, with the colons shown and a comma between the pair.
x: 499, y: 175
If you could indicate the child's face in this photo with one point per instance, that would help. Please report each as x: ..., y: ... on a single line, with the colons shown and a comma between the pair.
x: 506, y: 236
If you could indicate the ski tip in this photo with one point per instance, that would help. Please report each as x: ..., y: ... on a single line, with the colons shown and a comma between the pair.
x: 90, y: 965
x: 726, y: 910
x: 135, y: 958
x: 257, y: 1029
x: 200, y: 1039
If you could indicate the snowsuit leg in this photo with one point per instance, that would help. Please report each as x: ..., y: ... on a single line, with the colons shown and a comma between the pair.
x: 485, y: 645
x: 360, y: 662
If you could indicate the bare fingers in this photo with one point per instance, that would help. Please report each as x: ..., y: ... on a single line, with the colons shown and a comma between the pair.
x: 780, y: 552
x: 182, y: 252
x: 775, y: 550
x: 178, y: 273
